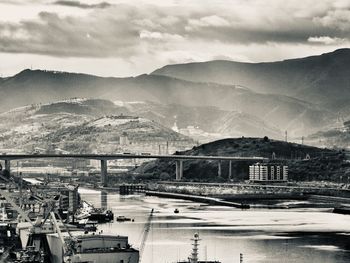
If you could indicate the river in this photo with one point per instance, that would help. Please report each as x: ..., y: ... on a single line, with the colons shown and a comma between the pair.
x: 261, y: 235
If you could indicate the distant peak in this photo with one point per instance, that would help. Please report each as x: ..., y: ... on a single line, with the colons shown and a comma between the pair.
x: 28, y: 71
x: 24, y: 71
x: 341, y: 51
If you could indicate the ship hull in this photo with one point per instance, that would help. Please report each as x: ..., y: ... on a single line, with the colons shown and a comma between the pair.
x: 106, y: 257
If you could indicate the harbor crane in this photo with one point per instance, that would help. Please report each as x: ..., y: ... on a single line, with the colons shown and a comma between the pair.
x: 67, y: 250
x: 145, y: 234
x: 23, y: 214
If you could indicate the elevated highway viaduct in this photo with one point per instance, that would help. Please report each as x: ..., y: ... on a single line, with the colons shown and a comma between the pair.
x: 179, y: 159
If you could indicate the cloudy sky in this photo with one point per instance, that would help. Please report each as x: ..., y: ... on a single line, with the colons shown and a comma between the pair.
x: 129, y: 37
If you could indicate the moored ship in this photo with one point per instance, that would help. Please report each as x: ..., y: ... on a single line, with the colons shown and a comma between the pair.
x: 91, y: 248
x: 55, y: 242
x: 94, y: 214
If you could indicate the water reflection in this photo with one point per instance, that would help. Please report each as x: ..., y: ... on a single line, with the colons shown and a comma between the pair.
x: 104, y: 203
x: 262, y: 235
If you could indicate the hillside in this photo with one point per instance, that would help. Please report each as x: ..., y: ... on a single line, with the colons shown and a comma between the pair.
x: 323, y: 165
x: 199, y: 123
x: 318, y: 79
x: 203, y: 123
x: 83, y: 126
x: 36, y: 86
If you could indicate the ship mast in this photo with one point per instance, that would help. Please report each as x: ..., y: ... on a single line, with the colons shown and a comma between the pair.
x: 194, y: 255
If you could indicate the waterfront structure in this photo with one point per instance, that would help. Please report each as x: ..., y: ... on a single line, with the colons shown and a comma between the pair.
x: 269, y: 172
x: 70, y: 199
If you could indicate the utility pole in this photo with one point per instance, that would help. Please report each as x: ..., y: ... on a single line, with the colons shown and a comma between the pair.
x: 302, y: 140
x: 286, y: 136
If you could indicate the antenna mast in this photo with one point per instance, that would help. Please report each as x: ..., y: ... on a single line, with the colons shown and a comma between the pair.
x: 194, y: 255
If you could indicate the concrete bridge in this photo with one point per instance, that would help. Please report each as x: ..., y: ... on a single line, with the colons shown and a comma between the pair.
x: 179, y: 159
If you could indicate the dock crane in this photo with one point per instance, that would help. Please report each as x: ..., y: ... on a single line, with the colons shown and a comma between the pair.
x: 145, y: 234
x: 67, y: 249
x: 23, y: 214
x: 38, y: 229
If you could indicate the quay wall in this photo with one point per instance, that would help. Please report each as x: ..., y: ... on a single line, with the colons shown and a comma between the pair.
x: 196, y: 198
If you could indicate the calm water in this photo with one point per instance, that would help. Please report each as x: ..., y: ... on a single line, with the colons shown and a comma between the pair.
x: 293, y: 235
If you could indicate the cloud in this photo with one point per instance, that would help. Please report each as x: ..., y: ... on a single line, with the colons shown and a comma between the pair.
x: 160, y: 36
x: 326, y: 40
x: 134, y: 29
x: 82, y: 5
x: 207, y: 21
x: 71, y: 36
x: 336, y: 19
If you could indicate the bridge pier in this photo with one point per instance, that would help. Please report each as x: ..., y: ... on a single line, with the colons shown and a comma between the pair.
x: 219, y: 169
x: 104, y: 175
x: 230, y: 170
x: 131, y: 189
x: 8, y: 165
x: 179, y: 169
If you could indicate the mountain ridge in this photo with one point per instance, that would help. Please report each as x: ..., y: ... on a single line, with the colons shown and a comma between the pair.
x: 254, y: 96
x: 307, y: 78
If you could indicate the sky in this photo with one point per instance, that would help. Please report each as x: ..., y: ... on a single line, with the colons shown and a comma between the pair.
x: 129, y: 37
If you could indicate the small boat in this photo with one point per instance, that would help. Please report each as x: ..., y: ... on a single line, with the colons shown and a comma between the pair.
x: 176, y: 211
x: 123, y: 219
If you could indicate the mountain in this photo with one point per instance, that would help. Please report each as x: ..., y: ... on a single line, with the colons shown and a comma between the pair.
x: 36, y: 86
x: 323, y: 164
x: 284, y: 113
x: 203, y: 123
x: 320, y: 79
x: 94, y: 107
x: 82, y: 126
x: 199, y: 123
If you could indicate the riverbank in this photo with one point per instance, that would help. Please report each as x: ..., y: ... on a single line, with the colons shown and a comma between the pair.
x: 245, y: 196
x: 236, y: 189
x: 197, y: 198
